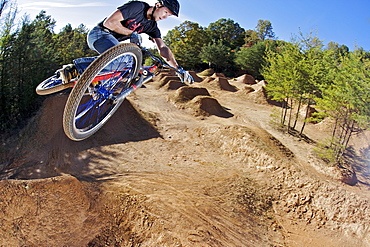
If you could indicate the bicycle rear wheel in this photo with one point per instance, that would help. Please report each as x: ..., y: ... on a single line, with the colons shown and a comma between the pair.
x: 52, y: 85
x: 90, y: 103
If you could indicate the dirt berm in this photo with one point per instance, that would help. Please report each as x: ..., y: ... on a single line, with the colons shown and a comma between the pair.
x: 178, y: 166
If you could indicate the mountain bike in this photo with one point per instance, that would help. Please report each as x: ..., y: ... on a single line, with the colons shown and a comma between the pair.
x: 102, y: 88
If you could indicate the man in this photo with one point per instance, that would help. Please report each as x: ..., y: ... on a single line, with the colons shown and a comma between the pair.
x: 127, y: 22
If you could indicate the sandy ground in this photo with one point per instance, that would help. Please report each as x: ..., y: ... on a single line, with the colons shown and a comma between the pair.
x: 198, y: 166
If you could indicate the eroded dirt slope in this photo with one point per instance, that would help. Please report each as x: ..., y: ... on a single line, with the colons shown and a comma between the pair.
x: 177, y: 166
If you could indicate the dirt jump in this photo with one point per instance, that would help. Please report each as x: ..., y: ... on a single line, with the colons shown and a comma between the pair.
x: 178, y: 165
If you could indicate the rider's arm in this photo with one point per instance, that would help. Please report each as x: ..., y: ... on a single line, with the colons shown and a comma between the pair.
x: 113, y: 22
x: 165, y: 52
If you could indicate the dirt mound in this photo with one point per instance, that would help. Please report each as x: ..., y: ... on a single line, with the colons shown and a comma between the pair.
x: 256, y: 93
x: 207, y: 80
x: 259, y: 96
x: 195, y: 76
x: 216, y: 75
x: 218, y: 83
x: 245, y: 79
x: 207, y: 72
x: 170, y: 81
x: 187, y: 93
x: 165, y: 80
x: 200, y: 101
x: 206, y: 106
x: 248, y: 89
x: 173, y: 85
x: 224, y: 84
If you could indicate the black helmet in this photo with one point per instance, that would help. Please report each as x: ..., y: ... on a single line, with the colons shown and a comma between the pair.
x: 172, y: 5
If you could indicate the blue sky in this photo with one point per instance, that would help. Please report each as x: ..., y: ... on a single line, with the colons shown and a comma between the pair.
x: 344, y: 22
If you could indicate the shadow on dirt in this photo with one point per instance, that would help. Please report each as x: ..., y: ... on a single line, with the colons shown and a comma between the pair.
x: 359, y: 163
x: 48, y: 152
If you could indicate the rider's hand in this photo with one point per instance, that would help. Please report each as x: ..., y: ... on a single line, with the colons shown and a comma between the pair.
x: 135, y: 38
x: 184, y: 75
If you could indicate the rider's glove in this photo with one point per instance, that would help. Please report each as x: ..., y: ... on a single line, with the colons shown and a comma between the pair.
x: 184, y: 75
x: 135, y: 38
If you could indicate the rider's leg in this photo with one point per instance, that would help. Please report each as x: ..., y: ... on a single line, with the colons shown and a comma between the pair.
x: 99, y: 41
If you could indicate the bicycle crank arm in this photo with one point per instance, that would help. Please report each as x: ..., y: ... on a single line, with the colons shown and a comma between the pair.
x: 132, y: 88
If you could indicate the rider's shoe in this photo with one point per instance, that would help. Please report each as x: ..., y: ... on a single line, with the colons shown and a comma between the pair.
x: 67, y: 73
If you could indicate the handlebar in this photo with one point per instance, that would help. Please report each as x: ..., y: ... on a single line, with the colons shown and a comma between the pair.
x: 159, y: 61
x: 184, y: 76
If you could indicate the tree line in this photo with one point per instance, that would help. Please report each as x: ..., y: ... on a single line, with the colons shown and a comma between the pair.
x: 221, y: 46
x: 30, y: 51
x: 300, y: 73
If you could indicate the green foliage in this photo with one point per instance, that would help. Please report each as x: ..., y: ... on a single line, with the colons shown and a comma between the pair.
x: 337, y: 51
x: 28, y: 55
x: 347, y: 99
x: 70, y: 44
x: 226, y: 32
x: 325, y: 153
x: 186, y: 42
x: 25, y: 58
x: 252, y: 59
x: 192, y: 44
x: 251, y: 38
x: 292, y: 75
x: 218, y: 56
x: 264, y: 30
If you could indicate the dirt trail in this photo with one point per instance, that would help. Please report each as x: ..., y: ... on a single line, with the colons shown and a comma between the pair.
x: 177, y: 167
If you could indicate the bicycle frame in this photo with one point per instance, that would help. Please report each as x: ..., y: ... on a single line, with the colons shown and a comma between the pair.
x: 146, y: 74
x: 147, y: 71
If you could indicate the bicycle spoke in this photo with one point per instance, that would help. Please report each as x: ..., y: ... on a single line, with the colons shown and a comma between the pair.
x: 110, y: 83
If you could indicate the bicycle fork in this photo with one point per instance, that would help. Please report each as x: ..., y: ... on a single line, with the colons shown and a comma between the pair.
x: 148, y: 76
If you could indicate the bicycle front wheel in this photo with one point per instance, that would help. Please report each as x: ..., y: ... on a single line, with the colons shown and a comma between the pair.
x: 90, y: 104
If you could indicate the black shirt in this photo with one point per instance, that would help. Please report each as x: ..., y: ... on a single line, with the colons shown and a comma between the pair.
x: 134, y: 15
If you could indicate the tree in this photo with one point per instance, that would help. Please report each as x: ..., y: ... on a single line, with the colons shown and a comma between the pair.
x: 264, y: 30
x: 251, y: 38
x: 282, y: 74
x: 70, y: 44
x: 25, y: 65
x: 218, y: 56
x: 30, y: 52
x: 7, y: 39
x: 27, y: 56
x: 252, y: 59
x: 336, y: 50
x: 186, y: 42
x: 293, y: 76
x: 347, y: 100
x: 226, y: 32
